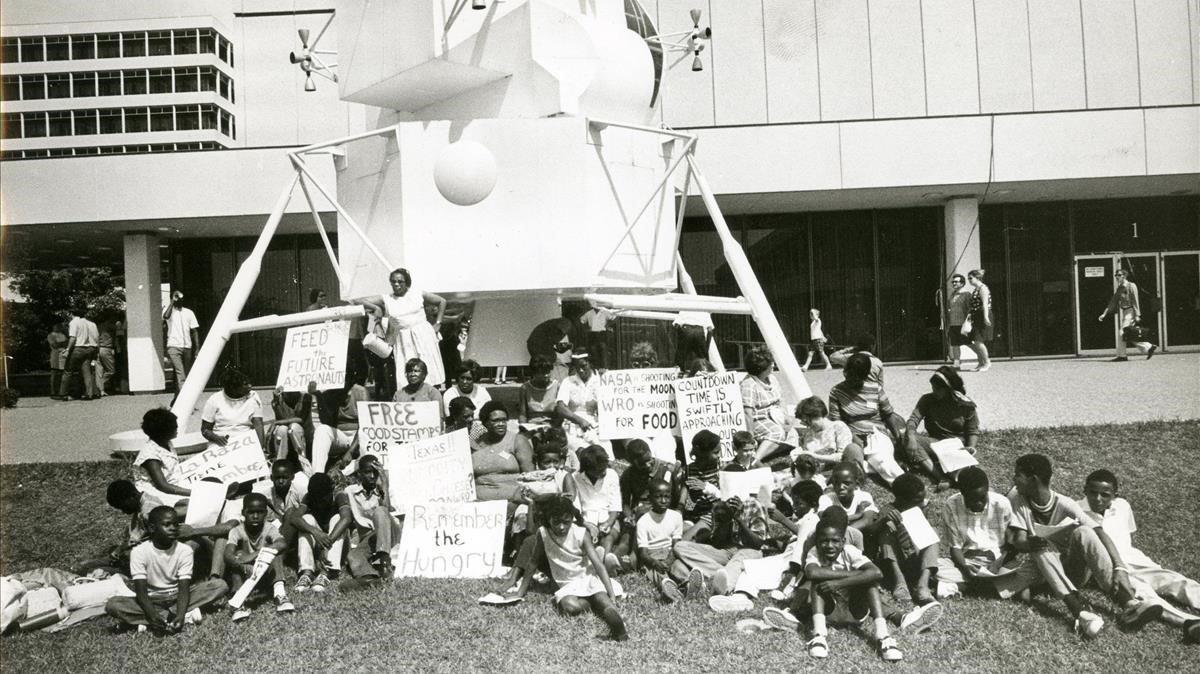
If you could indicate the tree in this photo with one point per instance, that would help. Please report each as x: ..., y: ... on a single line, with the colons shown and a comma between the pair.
x: 51, y: 296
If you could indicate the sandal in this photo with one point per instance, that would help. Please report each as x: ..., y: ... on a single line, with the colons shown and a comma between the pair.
x: 818, y: 647
x: 889, y: 651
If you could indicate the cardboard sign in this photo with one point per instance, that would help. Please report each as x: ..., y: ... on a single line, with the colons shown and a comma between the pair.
x: 240, y: 460
x: 745, y: 484
x: 714, y: 402
x: 384, y: 426
x: 314, y: 353
x: 205, y: 503
x: 638, y: 403
x: 451, y: 540
x: 435, y: 469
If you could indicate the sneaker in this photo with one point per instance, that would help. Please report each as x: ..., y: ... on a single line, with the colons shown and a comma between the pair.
x: 304, y: 583
x: 778, y: 595
x: 1150, y: 353
x: 730, y: 603
x: 140, y: 628
x: 889, y: 651
x: 1119, y: 359
x: 720, y: 582
x: 283, y: 604
x: 611, y: 563
x: 193, y: 617
x: 1191, y: 632
x: 240, y: 614
x: 696, y: 585
x: 382, y: 563
x: 780, y: 619
x: 670, y: 591
x: 981, y: 368
x: 320, y: 583
x: 540, y: 578
x: 1088, y: 624
x: 818, y: 647
x: 922, y: 617
x: 1135, y: 617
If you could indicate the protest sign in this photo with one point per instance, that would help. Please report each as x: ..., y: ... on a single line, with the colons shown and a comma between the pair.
x: 384, y: 426
x: 240, y: 460
x: 314, y: 353
x: 205, y: 503
x: 451, y: 540
x: 711, y: 401
x: 432, y: 469
x: 638, y: 403
x: 745, y: 484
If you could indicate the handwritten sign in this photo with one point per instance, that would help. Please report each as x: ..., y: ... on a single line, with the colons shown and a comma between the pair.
x: 240, y: 460
x: 745, y: 484
x: 714, y: 402
x: 384, y: 426
x: 314, y: 353
x: 638, y: 403
x: 433, y: 469
x: 451, y: 540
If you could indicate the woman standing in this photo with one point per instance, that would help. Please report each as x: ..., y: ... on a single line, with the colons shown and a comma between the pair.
x: 981, y: 319
x: 959, y: 307
x: 409, y: 331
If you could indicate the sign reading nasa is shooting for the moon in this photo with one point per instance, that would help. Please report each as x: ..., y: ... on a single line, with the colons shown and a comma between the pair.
x: 314, y: 353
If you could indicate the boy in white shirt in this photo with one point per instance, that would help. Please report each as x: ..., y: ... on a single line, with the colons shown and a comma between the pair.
x: 161, y: 570
x: 861, y: 510
x: 242, y: 546
x: 657, y: 532
x: 1150, y: 581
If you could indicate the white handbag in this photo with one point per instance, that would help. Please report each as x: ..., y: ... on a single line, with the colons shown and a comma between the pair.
x: 374, y: 343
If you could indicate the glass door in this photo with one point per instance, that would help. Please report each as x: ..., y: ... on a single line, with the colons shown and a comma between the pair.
x: 1093, y: 289
x: 1181, y: 298
x: 1142, y: 269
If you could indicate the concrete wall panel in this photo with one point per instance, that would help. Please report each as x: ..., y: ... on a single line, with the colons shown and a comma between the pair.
x: 1164, y: 52
x: 1005, y: 82
x: 793, y: 87
x: 738, y: 63
x: 1056, y: 51
x: 1076, y: 145
x: 1172, y: 140
x: 897, y: 58
x: 1110, y: 53
x: 951, y: 67
x: 844, y: 46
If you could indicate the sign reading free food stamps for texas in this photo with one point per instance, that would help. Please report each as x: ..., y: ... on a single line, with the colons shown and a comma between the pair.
x: 314, y: 353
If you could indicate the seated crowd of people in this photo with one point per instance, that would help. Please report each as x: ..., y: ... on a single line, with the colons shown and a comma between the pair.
x: 814, y: 547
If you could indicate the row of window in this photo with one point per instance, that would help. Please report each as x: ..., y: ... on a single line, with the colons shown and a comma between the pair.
x: 118, y: 120
x: 116, y: 83
x: 131, y: 44
x: 107, y: 149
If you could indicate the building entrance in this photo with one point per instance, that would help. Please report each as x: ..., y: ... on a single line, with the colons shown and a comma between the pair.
x: 1168, y: 295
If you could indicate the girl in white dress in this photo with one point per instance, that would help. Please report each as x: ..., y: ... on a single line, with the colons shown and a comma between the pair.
x: 409, y: 331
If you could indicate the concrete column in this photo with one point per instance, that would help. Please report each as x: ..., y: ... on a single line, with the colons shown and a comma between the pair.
x: 143, y: 312
x: 962, y: 235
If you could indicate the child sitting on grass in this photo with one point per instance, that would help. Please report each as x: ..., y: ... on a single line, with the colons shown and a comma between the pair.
x: 286, y: 490
x: 371, y: 514
x: 702, y: 475
x: 844, y: 483
x: 597, y: 490
x: 566, y: 547
x: 977, y: 520
x: 161, y: 570
x: 320, y: 522
x: 657, y: 531
x: 906, y: 567
x: 745, y: 448
x: 242, y: 546
x: 1150, y: 581
x: 125, y: 497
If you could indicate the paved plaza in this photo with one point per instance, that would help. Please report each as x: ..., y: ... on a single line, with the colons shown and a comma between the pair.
x: 1014, y: 394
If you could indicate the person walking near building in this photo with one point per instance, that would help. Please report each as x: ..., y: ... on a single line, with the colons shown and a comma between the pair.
x: 106, y: 357
x: 1124, y: 304
x: 980, y: 318
x: 959, y: 307
x: 183, y: 335
x: 82, y: 348
x: 58, y: 340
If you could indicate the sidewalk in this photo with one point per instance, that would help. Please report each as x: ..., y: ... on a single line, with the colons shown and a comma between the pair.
x: 1030, y: 393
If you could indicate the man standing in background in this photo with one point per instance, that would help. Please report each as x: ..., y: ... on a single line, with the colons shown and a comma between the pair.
x: 1125, y: 305
x: 183, y: 335
x: 82, y: 348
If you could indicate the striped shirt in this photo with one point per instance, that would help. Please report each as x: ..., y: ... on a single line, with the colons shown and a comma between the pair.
x: 863, y: 410
x: 700, y: 501
x: 983, y: 532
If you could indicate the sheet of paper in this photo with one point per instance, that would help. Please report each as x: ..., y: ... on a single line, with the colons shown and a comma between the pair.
x: 765, y: 573
x: 205, y: 503
x: 918, y: 528
x: 1057, y: 533
x: 494, y: 599
x: 951, y: 455
x: 744, y: 484
x: 985, y: 572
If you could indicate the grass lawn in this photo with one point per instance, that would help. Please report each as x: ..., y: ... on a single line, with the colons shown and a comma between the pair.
x: 55, y: 515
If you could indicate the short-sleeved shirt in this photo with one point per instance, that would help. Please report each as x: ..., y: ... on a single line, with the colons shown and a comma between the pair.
x: 806, y: 535
x: 138, y: 529
x: 1117, y: 521
x: 863, y: 410
x: 180, y: 324
x: 596, y: 319
x: 268, y: 536
x: 141, y: 477
x: 982, y: 531
x: 161, y: 569
x: 580, y: 396
x: 362, y: 504
x: 763, y: 399
x: 84, y: 332
x: 832, y: 439
x: 478, y: 395
x: 294, y: 497
x: 597, y: 500
x: 635, y: 485
x: 424, y: 393
x: 1059, y: 508
x: 849, y: 559
x: 229, y: 416
x: 960, y: 306
x: 860, y: 496
x: 658, y: 532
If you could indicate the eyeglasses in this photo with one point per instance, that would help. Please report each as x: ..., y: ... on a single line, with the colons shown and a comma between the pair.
x: 562, y: 347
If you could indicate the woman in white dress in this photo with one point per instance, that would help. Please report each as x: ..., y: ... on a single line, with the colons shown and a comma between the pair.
x: 409, y: 331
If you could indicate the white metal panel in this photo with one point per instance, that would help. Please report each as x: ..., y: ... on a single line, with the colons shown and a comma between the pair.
x: 687, y: 97
x: 844, y: 48
x: 1054, y: 146
x: 1056, y: 49
x: 1194, y: 31
x: 951, y: 66
x: 771, y: 159
x: 793, y: 93
x: 914, y: 152
x: 897, y: 58
x: 1172, y: 140
x: 1110, y: 53
x: 1005, y: 83
x: 1164, y: 52
x: 738, y: 63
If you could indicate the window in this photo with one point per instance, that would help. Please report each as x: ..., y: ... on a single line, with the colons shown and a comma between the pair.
x: 160, y: 43
x: 185, y: 41
x: 224, y: 50
x: 112, y: 149
x: 133, y: 44
x: 35, y: 154
x: 137, y: 148
x: 186, y: 147
x: 108, y: 83
x: 11, y: 89
x: 137, y: 120
x: 9, y: 155
x: 58, y: 48
x: 59, y: 122
x: 83, y: 47
x: 163, y: 147
x: 33, y: 87
x: 85, y: 122
x: 35, y: 124
x: 83, y: 84
x: 12, y: 125
x: 10, y: 50
x: 208, y: 79
x: 162, y: 119
x: 32, y: 49
x: 161, y: 81
x: 135, y: 82
x: 226, y: 124
x: 226, y: 88
x: 58, y: 85
x: 208, y: 117
x: 110, y: 121
x: 86, y: 151
x: 208, y: 41
x: 187, y: 118
x: 187, y: 79
x: 108, y: 46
